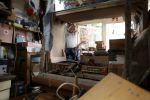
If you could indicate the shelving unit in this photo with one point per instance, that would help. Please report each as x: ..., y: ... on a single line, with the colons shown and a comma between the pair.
x: 22, y: 61
x: 6, y: 38
x: 25, y: 50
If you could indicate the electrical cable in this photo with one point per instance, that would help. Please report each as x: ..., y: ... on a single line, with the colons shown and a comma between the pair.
x: 73, y: 97
x: 63, y: 84
x: 73, y: 73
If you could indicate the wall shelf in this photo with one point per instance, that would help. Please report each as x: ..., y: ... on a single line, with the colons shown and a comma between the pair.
x: 25, y: 29
x: 108, y: 9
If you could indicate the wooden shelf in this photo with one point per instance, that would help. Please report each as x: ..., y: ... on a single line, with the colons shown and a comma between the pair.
x: 25, y: 29
x: 30, y: 44
x: 6, y: 77
x: 96, y: 11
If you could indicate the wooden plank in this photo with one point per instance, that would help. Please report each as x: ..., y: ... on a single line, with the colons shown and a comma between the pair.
x: 6, y: 77
x: 113, y: 87
x: 102, y: 5
x: 97, y: 11
x: 92, y: 14
x: 52, y: 80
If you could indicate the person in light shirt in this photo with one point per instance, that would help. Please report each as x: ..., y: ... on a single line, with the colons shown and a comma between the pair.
x: 71, y: 43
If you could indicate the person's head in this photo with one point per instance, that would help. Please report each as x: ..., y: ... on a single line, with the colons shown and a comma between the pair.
x: 71, y: 28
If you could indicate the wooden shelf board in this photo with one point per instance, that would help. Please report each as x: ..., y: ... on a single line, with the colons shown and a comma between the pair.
x: 97, y: 11
x: 25, y: 29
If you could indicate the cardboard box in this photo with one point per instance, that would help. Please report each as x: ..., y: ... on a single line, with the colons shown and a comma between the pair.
x: 5, y: 90
x: 4, y: 95
x: 5, y: 85
x: 6, y: 33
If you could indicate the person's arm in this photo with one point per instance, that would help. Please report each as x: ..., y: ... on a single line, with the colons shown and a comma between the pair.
x: 83, y: 42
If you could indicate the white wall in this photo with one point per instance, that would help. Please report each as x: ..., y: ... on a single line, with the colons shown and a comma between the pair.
x: 59, y: 40
x: 19, y: 7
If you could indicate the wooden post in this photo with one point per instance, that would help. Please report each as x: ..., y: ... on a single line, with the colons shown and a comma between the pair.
x: 128, y: 50
x: 144, y: 23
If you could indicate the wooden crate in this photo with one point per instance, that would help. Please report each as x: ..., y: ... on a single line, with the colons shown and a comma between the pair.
x: 113, y: 87
x: 6, y: 33
x: 97, y: 59
x: 94, y: 69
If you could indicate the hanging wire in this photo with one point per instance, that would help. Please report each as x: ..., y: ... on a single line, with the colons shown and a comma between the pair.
x: 63, y: 84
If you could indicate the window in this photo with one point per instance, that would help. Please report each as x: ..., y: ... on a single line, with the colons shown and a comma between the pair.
x: 114, y: 31
x: 90, y: 33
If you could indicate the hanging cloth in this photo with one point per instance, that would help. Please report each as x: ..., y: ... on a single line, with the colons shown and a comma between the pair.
x: 47, y: 25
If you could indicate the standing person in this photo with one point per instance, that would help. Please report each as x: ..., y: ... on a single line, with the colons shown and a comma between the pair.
x: 71, y: 43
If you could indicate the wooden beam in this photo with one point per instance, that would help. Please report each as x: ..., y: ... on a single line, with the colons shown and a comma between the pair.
x: 96, y: 11
x: 93, y: 14
x: 103, y: 5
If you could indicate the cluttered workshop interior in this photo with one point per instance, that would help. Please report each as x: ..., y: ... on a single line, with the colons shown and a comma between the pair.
x: 74, y: 50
